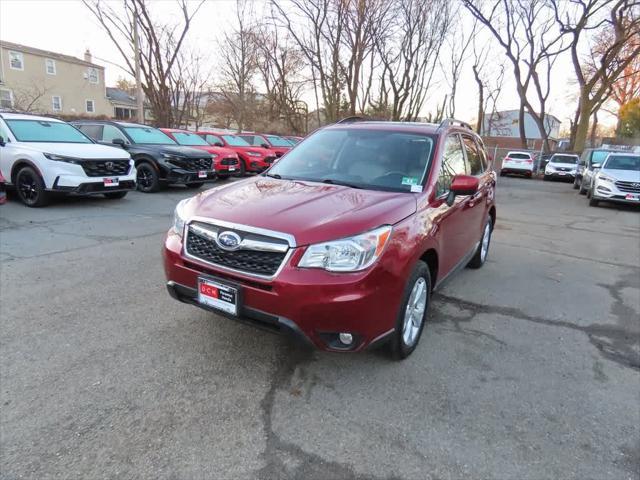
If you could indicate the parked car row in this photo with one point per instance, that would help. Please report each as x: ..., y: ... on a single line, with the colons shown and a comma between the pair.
x: 42, y: 156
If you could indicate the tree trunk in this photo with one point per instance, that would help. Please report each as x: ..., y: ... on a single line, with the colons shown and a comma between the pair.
x: 594, y: 127
x: 582, y: 126
x: 523, y: 133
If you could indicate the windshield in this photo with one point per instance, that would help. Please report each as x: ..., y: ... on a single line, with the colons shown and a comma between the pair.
x: 148, y: 135
x: 185, y: 138
x: 370, y: 159
x: 235, y: 141
x: 622, y: 162
x: 278, y: 141
x: 564, y: 159
x: 45, y: 131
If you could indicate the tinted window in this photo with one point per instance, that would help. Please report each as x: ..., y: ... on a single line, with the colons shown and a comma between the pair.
x: 185, y: 138
x: 235, y: 141
x: 368, y: 159
x: 278, y: 141
x: 599, y: 156
x: 45, y: 131
x: 148, y: 135
x: 3, y: 132
x: 519, y: 156
x: 213, y: 139
x: 94, y: 131
x: 623, y: 162
x: 474, y: 160
x: 452, y: 164
x: 110, y: 133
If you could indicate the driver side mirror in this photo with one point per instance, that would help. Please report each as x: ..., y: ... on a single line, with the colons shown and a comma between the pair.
x: 462, y: 185
x: 218, y: 144
x: 596, y: 165
x: 119, y: 142
x: 265, y: 145
x: 2, y: 142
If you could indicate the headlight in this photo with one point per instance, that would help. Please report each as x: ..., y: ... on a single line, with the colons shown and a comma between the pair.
x: 254, y: 154
x: 61, y: 158
x: 179, y: 218
x: 604, y: 178
x: 347, y: 254
x: 550, y: 168
x: 168, y: 156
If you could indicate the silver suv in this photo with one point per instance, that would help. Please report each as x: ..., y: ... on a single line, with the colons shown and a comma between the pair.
x: 617, y: 180
x: 590, y: 161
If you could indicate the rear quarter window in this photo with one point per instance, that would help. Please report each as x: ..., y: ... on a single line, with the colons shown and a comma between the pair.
x: 519, y: 156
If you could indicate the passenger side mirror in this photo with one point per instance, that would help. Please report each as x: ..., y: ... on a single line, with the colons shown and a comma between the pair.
x: 119, y: 142
x: 2, y: 142
x: 265, y: 145
x: 462, y: 185
x: 596, y: 165
x: 218, y: 144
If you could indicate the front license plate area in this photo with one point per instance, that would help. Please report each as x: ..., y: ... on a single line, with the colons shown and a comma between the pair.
x: 202, y: 174
x: 633, y: 196
x: 111, y: 182
x: 215, y: 294
x: 232, y: 169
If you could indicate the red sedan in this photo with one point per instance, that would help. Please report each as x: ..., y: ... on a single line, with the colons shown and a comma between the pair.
x: 252, y: 159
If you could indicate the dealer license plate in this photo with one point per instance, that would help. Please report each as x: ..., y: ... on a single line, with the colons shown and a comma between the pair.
x: 217, y: 295
x: 562, y: 173
x: 632, y: 196
x: 232, y: 169
x: 202, y: 174
x: 111, y: 182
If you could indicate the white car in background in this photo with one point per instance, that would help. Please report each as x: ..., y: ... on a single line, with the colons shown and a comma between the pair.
x: 561, y: 166
x: 41, y: 156
x: 518, y: 163
x: 617, y: 180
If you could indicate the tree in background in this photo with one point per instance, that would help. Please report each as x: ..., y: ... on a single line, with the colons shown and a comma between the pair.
x: 161, y: 46
x: 630, y: 119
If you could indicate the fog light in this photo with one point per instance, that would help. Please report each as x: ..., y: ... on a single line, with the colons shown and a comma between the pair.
x: 346, y: 338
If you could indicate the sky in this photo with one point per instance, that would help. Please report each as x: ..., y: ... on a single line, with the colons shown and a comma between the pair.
x: 67, y: 27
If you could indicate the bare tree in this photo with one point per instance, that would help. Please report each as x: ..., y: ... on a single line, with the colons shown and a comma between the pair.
x: 409, y: 55
x: 489, y: 79
x: 160, y: 46
x: 578, y: 20
x: 525, y: 31
x: 191, y: 90
x: 27, y: 98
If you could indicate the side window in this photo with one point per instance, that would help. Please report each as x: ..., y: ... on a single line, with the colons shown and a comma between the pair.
x: 110, y: 133
x: 3, y: 132
x: 92, y: 131
x: 452, y: 164
x: 474, y: 161
x: 486, y: 164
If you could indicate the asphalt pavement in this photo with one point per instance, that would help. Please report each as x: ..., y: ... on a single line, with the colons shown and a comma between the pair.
x: 529, y: 368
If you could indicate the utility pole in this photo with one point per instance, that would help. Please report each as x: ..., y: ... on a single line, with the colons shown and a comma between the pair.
x: 136, y: 52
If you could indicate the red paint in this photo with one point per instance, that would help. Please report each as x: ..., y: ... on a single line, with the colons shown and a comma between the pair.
x: 252, y: 163
x: 366, y: 303
x: 219, y: 152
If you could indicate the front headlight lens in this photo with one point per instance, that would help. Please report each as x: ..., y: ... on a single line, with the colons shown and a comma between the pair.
x: 254, y: 154
x: 348, y: 254
x: 168, y: 156
x: 550, y: 168
x: 602, y: 177
x: 61, y: 158
x: 179, y: 218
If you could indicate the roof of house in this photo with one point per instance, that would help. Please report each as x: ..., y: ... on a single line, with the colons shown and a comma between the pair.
x: 46, y: 53
x: 505, y: 112
x: 120, y: 96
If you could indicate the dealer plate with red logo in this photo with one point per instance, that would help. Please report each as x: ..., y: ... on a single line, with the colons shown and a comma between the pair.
x: 202, y: 174
x: 632, y: 196
x: 111, y: 182
x: 217, y: 295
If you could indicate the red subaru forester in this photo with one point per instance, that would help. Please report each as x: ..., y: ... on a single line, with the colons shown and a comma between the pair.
x: 341, y: 242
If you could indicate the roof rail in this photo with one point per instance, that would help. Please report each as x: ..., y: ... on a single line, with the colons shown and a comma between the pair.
x: 449, y: 122
x: 351, y: 120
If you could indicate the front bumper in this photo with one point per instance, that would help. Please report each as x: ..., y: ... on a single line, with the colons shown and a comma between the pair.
x: 178, y: 175
x: 608, y: 191
x: 517, y: 171
x: 95, y: 188
x: 560, y: 175
x: 227, y: 170
x: 313, y: 304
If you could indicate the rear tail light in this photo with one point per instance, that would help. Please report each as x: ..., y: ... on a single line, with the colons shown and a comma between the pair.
x: 529, y: 161
x: 505, y: 159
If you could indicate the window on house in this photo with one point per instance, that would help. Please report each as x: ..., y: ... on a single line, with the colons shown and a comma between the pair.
x: 56, y: 103
x: 90, y: 107
x: 50, y: 66
x: 16, y: 61
x: 6, y: 98
x: 92, y: 74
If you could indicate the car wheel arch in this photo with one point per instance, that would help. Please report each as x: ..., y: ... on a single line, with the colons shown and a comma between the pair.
x: 430, y: 257
x: 19, y: 164
x: 492, y: 214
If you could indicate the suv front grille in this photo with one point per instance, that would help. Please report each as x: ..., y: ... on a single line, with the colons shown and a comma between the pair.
x: 105, y: 168
x: 628, y: 187
x: 229, y: 161
x: 192, y: 164
x: 253, y: 262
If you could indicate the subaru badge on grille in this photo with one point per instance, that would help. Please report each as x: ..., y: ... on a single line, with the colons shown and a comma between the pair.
x: 229, y: 241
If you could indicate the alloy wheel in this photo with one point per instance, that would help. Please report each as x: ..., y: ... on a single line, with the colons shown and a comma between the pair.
x: 144, y: 177
x: 414, y: 312
x: 28, y: 187
x: 486, y: 238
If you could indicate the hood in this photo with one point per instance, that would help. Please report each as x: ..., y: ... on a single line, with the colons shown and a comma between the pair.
x: 265, y: 152
x: 177, y: 150
x: 623, y: 175
x: 309, y: 211
x: 78, y: 150
x: 219, y: 151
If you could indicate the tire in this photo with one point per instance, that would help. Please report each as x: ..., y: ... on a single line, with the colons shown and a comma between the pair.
x: 243, y: 168
x: 546, y: 178
x: 147, y: 179
x: 31, y: 189
x: 582, y: 190
x: 589, y: 193
x: 115, y: 195
x: 194, y: 185
x: 593, y: 202
x: 482, y: 251
x: 419, y: 280
x: 575, y: 184
x: 223, y: 177
x: 502, y: 173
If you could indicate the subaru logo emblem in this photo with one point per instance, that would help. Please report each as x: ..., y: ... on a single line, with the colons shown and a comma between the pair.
x: 109, y: 165
x: 229, y: 241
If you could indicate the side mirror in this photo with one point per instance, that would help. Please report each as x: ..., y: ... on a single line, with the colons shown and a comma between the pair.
x: 596, y: 165
x: 265, y: 145
x: 119, y: 142
x: 2, y: 142
x: 462, y: 185
x: 218, y: 144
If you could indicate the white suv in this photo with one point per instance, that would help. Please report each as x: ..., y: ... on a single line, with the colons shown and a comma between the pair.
x: 618, y: 180
x: 519, y: 163
x: 42, y: 155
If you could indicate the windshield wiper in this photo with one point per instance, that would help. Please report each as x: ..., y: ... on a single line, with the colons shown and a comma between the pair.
x: 273, y: 175
x: 341, y: 183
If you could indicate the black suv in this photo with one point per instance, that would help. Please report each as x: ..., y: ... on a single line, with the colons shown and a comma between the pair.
x: 158, y: 158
